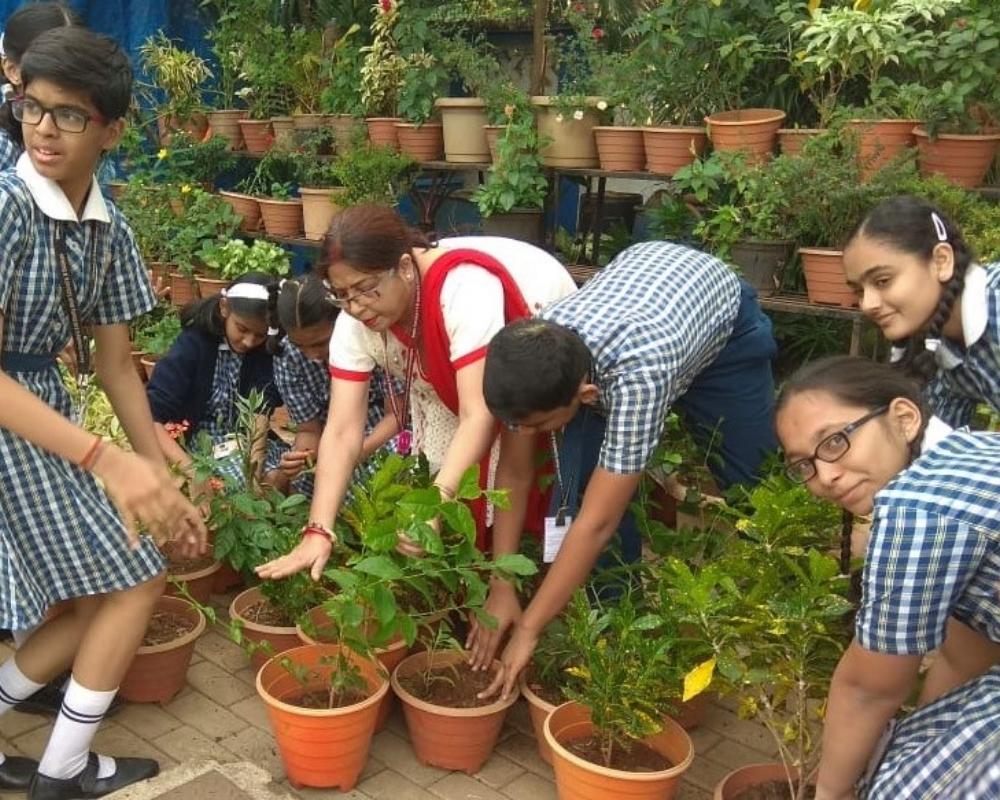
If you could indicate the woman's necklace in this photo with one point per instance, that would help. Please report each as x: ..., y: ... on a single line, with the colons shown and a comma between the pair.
x: 401, y: 407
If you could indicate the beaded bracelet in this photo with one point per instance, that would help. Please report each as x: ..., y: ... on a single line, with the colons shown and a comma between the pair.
x: 315, y: 529
x: 91, y: 457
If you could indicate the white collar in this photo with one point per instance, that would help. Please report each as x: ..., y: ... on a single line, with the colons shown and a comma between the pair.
x: 975, y: 315
x: 51, y: 199
x: 936, y: 430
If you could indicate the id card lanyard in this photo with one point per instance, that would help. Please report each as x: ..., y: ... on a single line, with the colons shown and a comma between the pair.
x: 81, y: 342
x: 558, y: 526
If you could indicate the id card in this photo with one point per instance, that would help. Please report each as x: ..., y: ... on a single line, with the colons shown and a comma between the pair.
x: 225, y: 448
x: 554, y: 535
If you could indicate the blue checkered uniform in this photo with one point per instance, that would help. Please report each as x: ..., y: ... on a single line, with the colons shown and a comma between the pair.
x: 304, y: 385
x: 63, y: 538
x: 973, y: 376
x: 10, y: 151
x: 934, y: 552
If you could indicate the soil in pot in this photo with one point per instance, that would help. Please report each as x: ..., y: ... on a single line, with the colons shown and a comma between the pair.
x: 456, y: 686
x: 320, y: 700
x: 166, y: 626
x: 772, y: 790
x: 639, y: 758
x: 550, y: 694
x: 263, y: 613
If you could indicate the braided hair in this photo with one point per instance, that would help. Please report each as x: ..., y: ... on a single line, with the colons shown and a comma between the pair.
x: 300, y: 303
x: 916, y: 226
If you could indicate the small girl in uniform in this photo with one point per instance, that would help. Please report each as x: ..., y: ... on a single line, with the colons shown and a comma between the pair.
x: 917, y: 279
x: 68, y: 264
x: 306, y: 313
x: 219, y: 357
x: 859, y: 434
x: 22, y: 28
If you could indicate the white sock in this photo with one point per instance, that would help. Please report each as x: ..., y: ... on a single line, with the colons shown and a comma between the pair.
x: 82, y: 711
x: 15, y: 686
x: 20, y: 637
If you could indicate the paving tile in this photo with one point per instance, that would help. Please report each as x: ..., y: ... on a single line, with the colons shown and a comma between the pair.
x: 396, y: 752
x: 211, y: 680
x: 187, y: 744
x: 218, y: 649
x: 247, y: 675
x: 499, y: 771
x: 744, y: 731
x: 14, y: 723
x: 689, y: 791
x: 519, y: 718
x: 459, y: 786
x: 253, y: 710
x: 704, y: 739
x: 258, y: 747
x: 194, y: 709
x: 705, y: 773
x: 32, y: 743
x: 307, y: 793
x: 530, y: 787
x: 524, y: 751
x: 147, y: 720
x: 115, y: 740
x: 732, y: 754
x: 388, y: 784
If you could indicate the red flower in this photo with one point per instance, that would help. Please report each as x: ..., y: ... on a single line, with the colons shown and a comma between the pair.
x: 598, y: 32
x: 216, y: 484
x: 175, y: 430
x: 961, y: 23
x: 579, y: 8
x: 386, y: 6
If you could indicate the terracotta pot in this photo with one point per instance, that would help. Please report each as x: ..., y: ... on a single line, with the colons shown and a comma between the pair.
x: 148, y: 363
x: 620, y: 149
x: 692, y: 714
x: 825, y: 281
x: 450, y: 738
x: 283, y: 127
x: 308, y: 122
x: 226, y: 579
x: 792, y: 140
x: 492, y: 134
x: 346, y: 129
x: 158, y: 672
x: 319, y: 207
x: 739, y: 780
x: 281, y: 217
x: 161, y: 270
x: 116, y: 190
x: 963, y: 160
x: 752, y: 130
x: 571, y: 140
x: 463, y: 120
x: 277, y: 639
x: 183, y: 289
x: 578, y: 779
x: 199, y: 582
x: 209, y: 287
x: 388, y: 656
x: 196, y: 126
x: 762, y: 263
x: 257, y: 135
x: 539, y: 709
x: 881, y: 140
x: 322, y: 748
x: 524, y: 224
x: 226, y: 123
x: 670, y: 149
x: 422, y: 143
x: 382, y: 131
x: 137, y: 356
x: 247, y: 207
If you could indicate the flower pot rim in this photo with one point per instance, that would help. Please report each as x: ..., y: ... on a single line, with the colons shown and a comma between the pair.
x: 240, y: 195
x: 674, y: 128
x: 314, y: 190
x: 250, y: 121
x: 533, y: 698
x: 382, y: 119
x: 256, y: 626
x: 619, y: 128
x: 391, y: 646
x: 212, y: 568
x: 777, y: 765
x: 373, y: 698
x: 449, y: 656
x: 295, y: 201
x: 823, y: 251
x: 548, y: 100
x: 149, y: 358
x: 775, y: 242
x: 460, y: 102
x: 227, y: 111
x: 636, y: 777
x: 280, y: 117
x: 880, y: 120
x: 731, y: 117
x: 806, y: 131
x: 994, y: 135
x: 180, y: 605
x: 419, y: 127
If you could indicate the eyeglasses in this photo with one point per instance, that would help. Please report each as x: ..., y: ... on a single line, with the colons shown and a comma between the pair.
x: 831, y: 449
x: 363, y: 294
x: 66, y: 118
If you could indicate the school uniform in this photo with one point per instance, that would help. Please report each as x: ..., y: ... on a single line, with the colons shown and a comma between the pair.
x: 971, y: 375
x: 10, y: 151
x: 667, y: 326
x: 304, y: 385
x: 200, y: 380
x: 63, y: 537
x: 934, y: 553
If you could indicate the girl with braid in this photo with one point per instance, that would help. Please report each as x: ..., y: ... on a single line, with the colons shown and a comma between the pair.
x: 917, y: 279
x: 306, y: 313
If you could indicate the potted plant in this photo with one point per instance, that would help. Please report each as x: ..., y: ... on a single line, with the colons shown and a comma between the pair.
x: 307, y: 77
x: 543, y: 683
x: 190, y: 577
x: 340, y: 99
x: 179, y: 74
x: 206, y: 218
x: 267, y: 71
x: 419, y: 136
x: 319, y: 186
x: 273, y: 183
x: 463, y: 118
x: 382, y: 73
x: 192, y: 162
x: 614, y: 737
x: 228, y: 36
x: 372, y: 174
x: 225, y: 261
x: 620, y: 145
x: 146, y: 206
x: 155, y: 339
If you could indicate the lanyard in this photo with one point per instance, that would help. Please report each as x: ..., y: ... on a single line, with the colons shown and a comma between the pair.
x: 80, y: 339
x: 561, y: 485
x: 400, y: 410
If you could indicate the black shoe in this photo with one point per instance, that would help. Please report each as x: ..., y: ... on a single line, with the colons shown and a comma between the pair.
x: 87, y: 785
x: 48, y: 700
x: 16, y: 773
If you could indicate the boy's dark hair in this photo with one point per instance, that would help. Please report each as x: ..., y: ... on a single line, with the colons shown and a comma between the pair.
x: 205, y: 316
x: 533, y: 365
x: 79, y: 59
x: 23, y: 27
x: 301, y: 303
x: 906, y: 223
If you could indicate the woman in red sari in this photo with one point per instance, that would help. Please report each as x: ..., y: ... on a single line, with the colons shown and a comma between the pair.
x: 424, y: 311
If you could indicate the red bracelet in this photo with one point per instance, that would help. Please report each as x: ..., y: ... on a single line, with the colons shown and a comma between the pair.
x: 320, y: 530
x: 88, y: 460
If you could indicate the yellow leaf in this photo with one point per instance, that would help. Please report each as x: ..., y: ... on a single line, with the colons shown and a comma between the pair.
x: 862, y: 5
x: 814, y: 4
x: 698, y: 679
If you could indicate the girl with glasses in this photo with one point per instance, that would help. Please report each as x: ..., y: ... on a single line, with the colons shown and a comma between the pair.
x: 859, y: 433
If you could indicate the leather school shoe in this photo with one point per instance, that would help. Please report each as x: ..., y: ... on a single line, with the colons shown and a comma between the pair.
x: 16, y: 773
x: 48, y: 700
x: 87, y: 784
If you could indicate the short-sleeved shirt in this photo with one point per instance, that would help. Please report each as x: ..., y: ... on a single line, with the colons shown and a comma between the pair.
x: 934, y: 550
x: 653, y: 319
x: 967, y: 378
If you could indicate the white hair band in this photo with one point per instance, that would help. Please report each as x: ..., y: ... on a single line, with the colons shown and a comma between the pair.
x: 273, y: 331
x: 247, y: 291
x: 3, y: 53
x: 939, y: 228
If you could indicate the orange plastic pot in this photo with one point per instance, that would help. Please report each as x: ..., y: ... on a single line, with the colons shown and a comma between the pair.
x: 691, y: 715
x: 620, y: 149
x: 881, y: 140
x: 281, y: 217
x: 422, y: 143
x: 739, y: 780
x: 825, y: 280
x: 539, y: 709
x: 671, y: 149
x: 578, y: 779
x: 450, y: 738
x: 962, y: 159
x: 183, y: 289
x: 277, y: 639
x: 257, y: 135
x: 752, y: 130
x: 792, y: 140
x: 322, y: 748
x: 382, y: 131
x: 225, y: 579
x: 247, y: 207
x: 198, y: 582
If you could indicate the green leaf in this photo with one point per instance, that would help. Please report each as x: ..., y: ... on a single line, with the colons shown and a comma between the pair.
x: 459, y: 518
x: 381, y: 567
x: 468, y: 486
x: 385, y: 604
x: 515, y: 564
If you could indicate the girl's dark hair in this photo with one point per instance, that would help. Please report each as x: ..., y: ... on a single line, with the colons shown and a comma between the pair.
x: 23, y: 26
x: 204, y: 315
x: 301, y: 303
x: 370, y: 238
x: 79, y: 59
x: 907, y: 224
x: 857, y: 381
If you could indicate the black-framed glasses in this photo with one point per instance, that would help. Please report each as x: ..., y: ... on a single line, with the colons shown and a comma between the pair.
x: 830, y: 449
x: 362, y: 295
x: 66, y: 118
